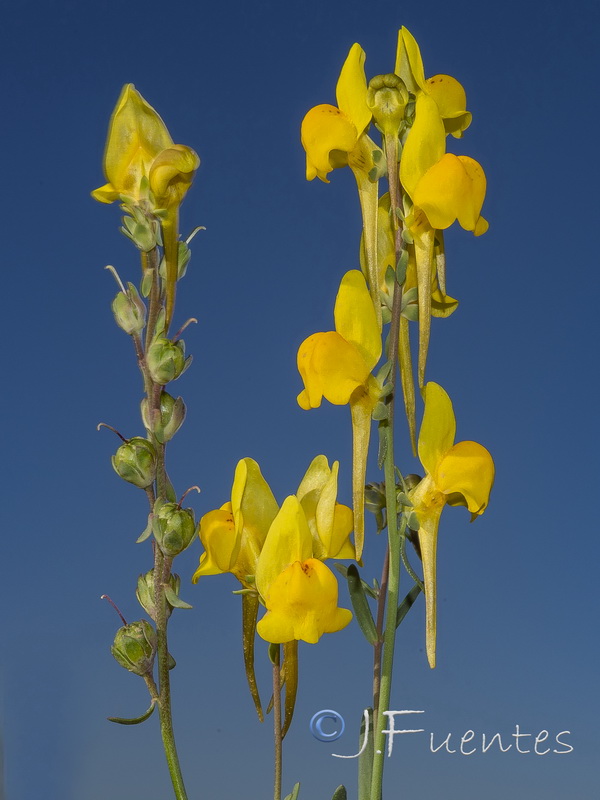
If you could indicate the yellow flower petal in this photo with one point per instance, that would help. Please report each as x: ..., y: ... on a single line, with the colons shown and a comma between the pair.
x: 452, y: 188
x: 351, y: 89
x: 438, y: 428
x: 450, y: 96
x: 288, y: 540
x: 343, y: 523
x: 106, y: 193
x: 171, y: 174
x: 302, y: 604
x: 254, y: 509
x: 327, y: 135
x: 330, y: 367
x: 136, y: 136
x: 466, y: 475
x: 355, y: 318
x: 409, y: 64
x: 220, y: 541
x: 425, y: 143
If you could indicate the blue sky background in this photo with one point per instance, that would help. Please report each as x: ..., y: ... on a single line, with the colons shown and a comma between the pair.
x: 518, y: 604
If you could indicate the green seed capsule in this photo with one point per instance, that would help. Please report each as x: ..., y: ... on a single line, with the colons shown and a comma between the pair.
x: 135, y: 462
x: 134, y: 647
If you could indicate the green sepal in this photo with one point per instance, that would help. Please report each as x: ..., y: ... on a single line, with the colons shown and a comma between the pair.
x: 365, y: 759
x: 171, y: 663
x: 409, y: 307
x: 413, y: 521
x: 406, y: 604
x: 381, y: 411
x: 390, y: 279
x: 401, y: 267
x: 183, y: 257
x: 386, y: 300
x: 386, y: 315
x: 170, y: 490
x: 360, y: 605
x: 403, y: 499
x: 384, y: 373
x: 340, y: 794
x: 249, y: 616
x: 377, y: 155
x: 147, y: 530
x: 174, y: 600
x: 146, y: 284
x: 134, y: 720
x: 293, y: 795
x: 407, y: 236
x: 290, y: 671
x: 159, y: 328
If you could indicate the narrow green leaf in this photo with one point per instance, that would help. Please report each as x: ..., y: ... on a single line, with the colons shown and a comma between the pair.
x: 249, y: 616
x: 135, y: 720
x: 294, y: 793
x: 360, y: 604
x: 406, y: 604
x: 146, y: 532
x: 340, y: 794
x: 290, y: 667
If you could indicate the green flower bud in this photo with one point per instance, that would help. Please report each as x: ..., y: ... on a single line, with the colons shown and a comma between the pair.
x: 387, y: 97
x: 135, y: 647
x: 135, y: 462
x: 174, y: 527
x: 143, y: 231
x: 145, y: 592
x: 129, y: 310
x: 166, y: 424
x: 165, y: 359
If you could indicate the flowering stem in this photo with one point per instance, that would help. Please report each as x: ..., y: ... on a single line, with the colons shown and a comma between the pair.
x: 277, y: 737
x: 162, y: 564
x: 389, y: 637
x: 394, y: 537
x: 379, y: 628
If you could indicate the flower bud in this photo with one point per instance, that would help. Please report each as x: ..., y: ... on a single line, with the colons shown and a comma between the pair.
x: 165, y: 424
x: 145, y: 592
x: 135, y: 646
x: 174, y: 528
x: 135, y: 462
x: 129, y: 310
x: 387, y: 97
x: 165, y: 359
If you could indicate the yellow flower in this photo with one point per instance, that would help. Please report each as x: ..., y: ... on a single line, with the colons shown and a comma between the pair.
x: 455, y: 474
x: 139, y: 144
x: 443, y: 188
x: 299, y: 591
x: 329, y: 522
x: 140, y: 155
x: 447, y: 92
x: 233, y: 535
x: 337, y: 365
x: 330, y: 135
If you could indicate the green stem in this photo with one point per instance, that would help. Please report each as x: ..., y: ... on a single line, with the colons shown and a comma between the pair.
x: 277, y: 737
x: 162, y: 564
x: 394, y: 542
x: 394, y: 537
x: 377, y: 649
x: 162, y: 569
